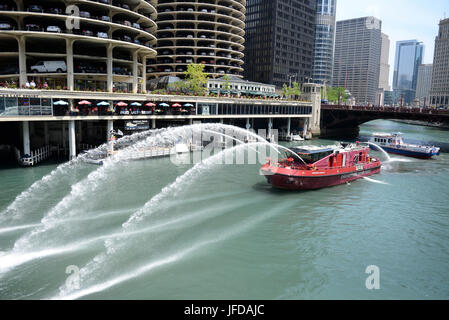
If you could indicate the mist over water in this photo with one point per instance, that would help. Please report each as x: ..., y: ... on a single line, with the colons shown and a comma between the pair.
x: 150, y: 229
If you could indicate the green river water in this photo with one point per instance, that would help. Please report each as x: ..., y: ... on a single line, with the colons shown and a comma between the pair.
x: 222, y: 232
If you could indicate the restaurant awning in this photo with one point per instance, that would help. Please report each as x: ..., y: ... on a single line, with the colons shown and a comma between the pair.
x: 61, y: 103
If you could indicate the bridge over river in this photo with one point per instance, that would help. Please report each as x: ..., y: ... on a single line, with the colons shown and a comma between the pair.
x: 340, y: 120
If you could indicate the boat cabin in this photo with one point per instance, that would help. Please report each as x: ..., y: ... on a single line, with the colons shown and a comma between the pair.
x: 333, y: 156
x: 387, y: 138
x: 312, y: 154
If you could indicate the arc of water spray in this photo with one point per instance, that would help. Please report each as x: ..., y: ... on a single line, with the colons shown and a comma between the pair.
x: 231, y: 137
x: 52, y: 217
x: 112, y: 246
x: 381, y: 149
x: 85, y: 185
x: 177, y: 256
x: 276, y: 146
x: 17, y: 208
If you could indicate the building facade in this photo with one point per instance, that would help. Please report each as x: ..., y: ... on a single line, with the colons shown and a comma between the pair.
x: 439, y: 91
x: 324, y: 41
x: 201, y: 31
x: 358, y: 44
x: 388, y: 98
x: 234, y: 86
x: 424, y: 82
x: 104, y: 49
x: 384, y: 74
x: 279, y: 41
x: 409, y: 56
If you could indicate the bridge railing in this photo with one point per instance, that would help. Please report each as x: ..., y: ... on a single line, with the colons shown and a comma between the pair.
x: 386, y: 109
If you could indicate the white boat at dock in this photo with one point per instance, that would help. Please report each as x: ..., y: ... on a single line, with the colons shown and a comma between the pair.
x: 144, y: 153
x: 290, y: 137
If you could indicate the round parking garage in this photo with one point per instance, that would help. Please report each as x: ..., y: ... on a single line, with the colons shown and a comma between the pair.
x: 77, y: 44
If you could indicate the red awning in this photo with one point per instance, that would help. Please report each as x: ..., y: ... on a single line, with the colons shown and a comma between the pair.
x: 84, y: 102
x: 150, y: 104
x: 176, y: 105
x: 121, y: 104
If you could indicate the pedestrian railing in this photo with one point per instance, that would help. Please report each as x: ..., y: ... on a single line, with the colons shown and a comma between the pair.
x: 34, y: 157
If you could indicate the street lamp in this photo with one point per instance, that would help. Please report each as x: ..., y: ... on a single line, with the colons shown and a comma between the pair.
x: 290, y: 76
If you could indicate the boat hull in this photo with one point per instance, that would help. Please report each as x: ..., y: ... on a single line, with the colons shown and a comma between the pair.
x: 297, y: 182
x: 408, y: 153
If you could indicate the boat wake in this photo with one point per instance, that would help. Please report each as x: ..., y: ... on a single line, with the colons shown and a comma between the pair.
x: 376, y: 181
x: 399, y: 160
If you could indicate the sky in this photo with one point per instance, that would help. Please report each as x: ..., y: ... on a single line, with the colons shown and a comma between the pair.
x: 401, y: 20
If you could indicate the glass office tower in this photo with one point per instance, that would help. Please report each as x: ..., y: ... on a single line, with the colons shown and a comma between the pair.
x: 324, y: 41
x: 409, y: 56
x: 279, y: 38
x: 358, y: 47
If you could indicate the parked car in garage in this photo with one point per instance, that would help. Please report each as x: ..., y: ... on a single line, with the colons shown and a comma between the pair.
x: 55, y: 10
x: 33, y: 27
x: 54, y: 29
x: 87, y: 33
x: 49, y: 66
x: 5, y: 26
x: 103, y: 35
x: 35, y: 8
x: 85, y: 67
x: 127, y: 38
x: 84, y: 14
x: 120, y: 70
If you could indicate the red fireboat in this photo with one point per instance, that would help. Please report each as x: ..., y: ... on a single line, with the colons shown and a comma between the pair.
x: 312, y: 167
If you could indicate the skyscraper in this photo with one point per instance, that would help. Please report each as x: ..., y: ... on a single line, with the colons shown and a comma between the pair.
x: 424, y: 82
x: 409, y: 56
x: 384, y: 74
x: 439, y: 91
x: 324, y: 41
x: 279, y: 40
x: 358, y: 44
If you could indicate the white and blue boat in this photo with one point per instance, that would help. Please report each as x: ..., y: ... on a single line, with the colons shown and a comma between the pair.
x: 393, y: 143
